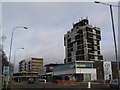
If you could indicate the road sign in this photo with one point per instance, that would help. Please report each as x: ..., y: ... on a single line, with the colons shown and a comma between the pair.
x: 6, y: 70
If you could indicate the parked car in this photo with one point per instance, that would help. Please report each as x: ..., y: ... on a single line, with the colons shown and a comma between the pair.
x: 42, y: 80
x: 31, y: 80
x: 114, y: 83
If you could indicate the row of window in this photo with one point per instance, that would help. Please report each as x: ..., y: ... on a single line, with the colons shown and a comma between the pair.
x: 90, y: 57
x: 81, y: 47
x: 91, y: 30
x: 81, y: 52
x: 91, y: 41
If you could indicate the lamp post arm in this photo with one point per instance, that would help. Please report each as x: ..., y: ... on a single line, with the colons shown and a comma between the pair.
x: 106, y: 4
x: 11, y: 43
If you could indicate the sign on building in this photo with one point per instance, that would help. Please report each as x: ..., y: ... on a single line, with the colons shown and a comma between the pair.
x: 6, y: 70
x: 107, y: 70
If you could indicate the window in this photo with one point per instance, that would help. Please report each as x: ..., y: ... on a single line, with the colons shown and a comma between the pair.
x: 90, y: 40
x: 68, y: 50
x: 98, y: 52
x: 29, y: 63
x: 79, y: 31
x: 87, y: 76
x: 89, y: 35
x: 91, y: 56
x: 98, y: 42
x: 69, y: 59
x: 90, y: 51
x: 100, y: 57
x: 77, y: 37
x: 79, y: 58
x: 68, y: 36
x: 69, y: 54
x: 98, y: 47
x: 71, y: 49
x: 89, y: 29
x: 97, y: 32
x: 78, y: 52
x: 69, y: 40
x: 98, y: 37
x: 79, y: 42
x: 81, y: 36
x: 78, y: 47
x: 77, y: 27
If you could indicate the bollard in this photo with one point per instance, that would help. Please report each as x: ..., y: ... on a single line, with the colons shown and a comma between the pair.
x: 89, y: 85
x: 45, y: 81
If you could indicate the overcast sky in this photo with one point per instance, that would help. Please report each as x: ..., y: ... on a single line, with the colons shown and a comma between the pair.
x: 48, y: 22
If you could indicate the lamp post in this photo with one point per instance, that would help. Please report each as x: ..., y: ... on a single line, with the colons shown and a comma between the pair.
x: 15, y: 56
x: 11, y: 43
x: 114, y: 35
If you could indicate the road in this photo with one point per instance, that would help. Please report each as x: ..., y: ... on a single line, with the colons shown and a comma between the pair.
x: 61, y: 86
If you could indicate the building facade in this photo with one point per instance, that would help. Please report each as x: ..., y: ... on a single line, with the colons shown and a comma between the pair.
x: 83, y: 58
x: 48, y: 69
x: 83, y: 71
x: 106, y: 70
x: 31, y: 65
x: 82, y: 43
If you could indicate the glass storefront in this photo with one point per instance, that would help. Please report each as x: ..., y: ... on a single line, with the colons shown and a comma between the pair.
x: 64, y: 67
x: 83, y: 65
x: 73, y: 65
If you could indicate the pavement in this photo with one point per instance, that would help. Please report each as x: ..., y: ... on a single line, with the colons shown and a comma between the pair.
x: 59, y: 86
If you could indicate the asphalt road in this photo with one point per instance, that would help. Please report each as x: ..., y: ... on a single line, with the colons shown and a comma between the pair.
x: 61, y: 86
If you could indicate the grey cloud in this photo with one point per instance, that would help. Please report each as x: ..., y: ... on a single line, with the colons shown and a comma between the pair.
x: 48, y: 22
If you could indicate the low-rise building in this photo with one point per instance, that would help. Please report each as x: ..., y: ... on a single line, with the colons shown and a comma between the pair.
x: 85, y: 70
x: 28, y: 68
x: 31, y: 65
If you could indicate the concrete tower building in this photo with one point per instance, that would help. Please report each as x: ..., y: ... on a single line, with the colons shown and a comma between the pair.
x: 82, y: 43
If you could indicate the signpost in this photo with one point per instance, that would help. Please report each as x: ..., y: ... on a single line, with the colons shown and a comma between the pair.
x: 6, y: 74
x: 6, y: 70
x: 1, y: 80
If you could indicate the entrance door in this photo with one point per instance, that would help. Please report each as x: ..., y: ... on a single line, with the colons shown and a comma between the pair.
x: 87, y: 76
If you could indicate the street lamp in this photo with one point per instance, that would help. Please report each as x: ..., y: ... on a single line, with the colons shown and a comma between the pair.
x: 115, y: 45
x: 11, y: 43
x: 15, y: 56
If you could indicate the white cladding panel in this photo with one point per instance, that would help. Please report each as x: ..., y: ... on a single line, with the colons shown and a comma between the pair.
x: 91, y: 71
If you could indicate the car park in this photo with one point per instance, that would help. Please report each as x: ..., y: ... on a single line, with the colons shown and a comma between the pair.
x: 42, y: 80
x: 31, y: 80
